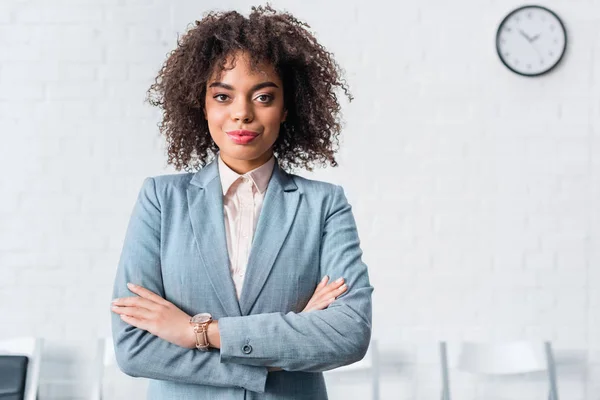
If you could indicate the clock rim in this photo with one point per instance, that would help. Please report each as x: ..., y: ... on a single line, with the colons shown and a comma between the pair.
x: 547, y: 70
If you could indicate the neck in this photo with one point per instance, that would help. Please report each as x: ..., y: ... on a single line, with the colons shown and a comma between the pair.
x: 243, y: 166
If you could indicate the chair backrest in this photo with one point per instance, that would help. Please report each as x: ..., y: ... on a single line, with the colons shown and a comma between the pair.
x: 518, y: 357
x: 369, y: 364
x: 108, y: 356
x: 507, y: 358
x: 105, y: 356
x: 32, y: 348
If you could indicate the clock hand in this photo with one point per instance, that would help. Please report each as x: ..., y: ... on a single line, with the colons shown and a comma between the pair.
x: 535, y: 37
x: 524, y: 35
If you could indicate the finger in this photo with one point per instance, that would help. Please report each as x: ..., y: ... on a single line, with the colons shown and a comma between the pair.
x: 145, y: 293
x: 323, y: 304
x: 337, y: 282
x: 133, y: 321
x: 322, y: 283
x: 136, y: 312
x: 327, y: 290
x: 135, y: 302
x: 324, y: 291
x: 334, y: 285
x: 341, y: 290
x: 330, y: 286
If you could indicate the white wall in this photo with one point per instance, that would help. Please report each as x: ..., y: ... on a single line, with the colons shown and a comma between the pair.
x: 475, y: 190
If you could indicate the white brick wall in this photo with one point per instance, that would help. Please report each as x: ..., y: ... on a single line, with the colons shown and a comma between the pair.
x: 490, y: 182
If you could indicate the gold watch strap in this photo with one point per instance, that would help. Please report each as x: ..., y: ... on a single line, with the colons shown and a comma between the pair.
x: 201, y: 331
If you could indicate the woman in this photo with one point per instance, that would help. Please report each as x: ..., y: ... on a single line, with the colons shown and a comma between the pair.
x: 248, y: 279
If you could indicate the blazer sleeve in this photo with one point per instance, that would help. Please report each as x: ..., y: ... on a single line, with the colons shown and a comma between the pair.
x: 138, y: 352
x: 317, y: 340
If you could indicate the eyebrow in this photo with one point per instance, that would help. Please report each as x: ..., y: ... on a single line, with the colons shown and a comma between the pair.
x: 252, y: 89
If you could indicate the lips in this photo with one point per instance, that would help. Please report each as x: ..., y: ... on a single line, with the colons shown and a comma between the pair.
x: 242, y: 136
x: 242, y: 133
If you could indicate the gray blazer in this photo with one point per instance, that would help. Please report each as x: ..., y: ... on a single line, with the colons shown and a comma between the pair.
x: 176, y: 246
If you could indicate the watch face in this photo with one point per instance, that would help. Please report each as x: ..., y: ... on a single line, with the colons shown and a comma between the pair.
x: 201, y: 318
x: 531, y: 40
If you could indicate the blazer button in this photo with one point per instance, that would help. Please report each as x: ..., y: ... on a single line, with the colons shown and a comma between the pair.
x: 247, y: 349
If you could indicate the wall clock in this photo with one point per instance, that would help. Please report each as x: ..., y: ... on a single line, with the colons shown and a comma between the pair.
x: 531, y: 40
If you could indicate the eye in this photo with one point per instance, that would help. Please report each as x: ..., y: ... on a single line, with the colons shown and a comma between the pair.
x: 264, y: 98
x: 221, y: 97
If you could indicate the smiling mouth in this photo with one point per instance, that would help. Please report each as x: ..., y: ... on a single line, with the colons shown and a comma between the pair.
x: 242, y: 137
x: 242, y: 133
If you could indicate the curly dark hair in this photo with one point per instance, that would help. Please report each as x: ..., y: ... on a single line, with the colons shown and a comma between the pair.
x: 308, y: 71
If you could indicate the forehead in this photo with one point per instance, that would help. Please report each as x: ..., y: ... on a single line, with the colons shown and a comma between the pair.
x: 238, y: 69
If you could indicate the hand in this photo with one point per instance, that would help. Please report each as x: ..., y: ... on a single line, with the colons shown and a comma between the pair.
x: 156, y: 315
x: 325, y: 294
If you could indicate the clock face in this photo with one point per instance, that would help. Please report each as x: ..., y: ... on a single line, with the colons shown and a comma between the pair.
x: 531, y: 40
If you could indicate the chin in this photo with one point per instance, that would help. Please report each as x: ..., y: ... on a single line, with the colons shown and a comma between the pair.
x: 244, y: 153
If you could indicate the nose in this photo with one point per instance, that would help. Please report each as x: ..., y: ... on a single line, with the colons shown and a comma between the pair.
x: 242, y: 111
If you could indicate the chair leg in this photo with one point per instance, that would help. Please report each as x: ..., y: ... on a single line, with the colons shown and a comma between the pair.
x: 444, y: 367
x: 375, y: 369
x: 553, y: 395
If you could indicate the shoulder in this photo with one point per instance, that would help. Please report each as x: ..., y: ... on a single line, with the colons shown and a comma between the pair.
x: 165, y: 188
x: 329, y: 193
x: 171, y: 181
x: 313, y: 186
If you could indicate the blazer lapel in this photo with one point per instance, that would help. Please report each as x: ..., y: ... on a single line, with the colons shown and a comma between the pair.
x: 275, y: 220
x: 205, y: 204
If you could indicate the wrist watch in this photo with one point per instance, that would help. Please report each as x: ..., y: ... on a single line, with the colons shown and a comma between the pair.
x: 199, y: 323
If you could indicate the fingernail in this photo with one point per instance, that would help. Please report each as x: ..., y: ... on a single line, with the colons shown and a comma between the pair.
x: 131, y: 285
x: 324, y: 278
x: 344, y: 286
x: 338, y: 280
x: 115, y: 301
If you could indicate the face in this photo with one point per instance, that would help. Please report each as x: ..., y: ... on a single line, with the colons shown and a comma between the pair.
x: 244, y: 110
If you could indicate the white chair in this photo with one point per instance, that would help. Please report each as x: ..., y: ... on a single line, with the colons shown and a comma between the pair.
x: 105, y: 357
x: 511, y: 358
x: 30, y: 347
x: 369, y: 363
x: 105, y: 361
